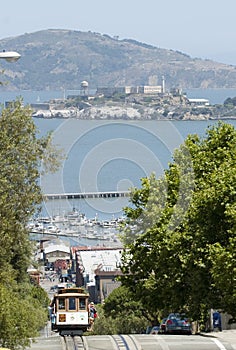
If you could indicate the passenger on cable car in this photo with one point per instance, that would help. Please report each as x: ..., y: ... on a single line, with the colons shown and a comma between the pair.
x: 92, y: 313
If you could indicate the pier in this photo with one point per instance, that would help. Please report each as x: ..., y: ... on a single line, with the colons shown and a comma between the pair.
x: 87, y: 195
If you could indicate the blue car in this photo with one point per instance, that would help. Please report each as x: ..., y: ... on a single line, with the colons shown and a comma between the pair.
x: 155, y: 330
x: 177, y: 323
x: 217, y: 321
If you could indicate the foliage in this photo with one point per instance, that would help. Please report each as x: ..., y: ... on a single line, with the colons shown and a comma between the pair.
x: 21, y: 152
x: 102, y: 324
x: 180, y: 230
x: 230, y: 101
x: 21, y: 316
x: 121, y: 314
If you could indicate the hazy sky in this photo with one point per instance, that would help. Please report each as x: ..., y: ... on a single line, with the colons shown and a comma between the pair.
x: 200, y: 28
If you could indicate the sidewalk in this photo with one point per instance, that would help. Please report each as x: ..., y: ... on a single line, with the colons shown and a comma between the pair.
x: 228, y: 336
x: 47, y: 339
x: 50, y: 343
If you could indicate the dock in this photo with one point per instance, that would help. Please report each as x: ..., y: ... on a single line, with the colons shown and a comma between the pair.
x: 87, y: 195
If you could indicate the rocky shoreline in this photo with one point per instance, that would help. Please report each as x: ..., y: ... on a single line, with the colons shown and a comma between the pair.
x: 158, y: 107
x: 129, y: 113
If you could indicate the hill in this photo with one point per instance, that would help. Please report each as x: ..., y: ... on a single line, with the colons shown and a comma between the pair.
x: 60, y: 59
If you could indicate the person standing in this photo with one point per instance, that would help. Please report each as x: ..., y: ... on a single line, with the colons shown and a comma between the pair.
x: 92, y: 314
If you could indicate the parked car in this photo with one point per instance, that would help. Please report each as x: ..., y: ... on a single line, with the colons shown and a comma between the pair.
x: 217, y: 321
x: 178, y: 323
x: 148, y: 330
x: 155, y: 330
x: 162, y: 328
x: 54, y: 288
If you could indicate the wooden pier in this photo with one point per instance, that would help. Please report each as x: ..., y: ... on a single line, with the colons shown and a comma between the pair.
x: 87, y: 195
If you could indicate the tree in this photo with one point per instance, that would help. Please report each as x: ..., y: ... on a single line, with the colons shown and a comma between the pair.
x: 212, y: 216
x: 121, y: 314
x: 21, y: 314
x: 230, y: 102
x: 21, y: 153
x: 180, y: 235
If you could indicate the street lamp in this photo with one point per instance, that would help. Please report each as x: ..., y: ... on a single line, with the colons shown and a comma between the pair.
x: 10, y: 56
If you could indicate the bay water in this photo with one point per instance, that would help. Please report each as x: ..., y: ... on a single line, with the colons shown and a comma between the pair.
x: 110, y: 155
x: 101, y: 156
x: 215, y: 96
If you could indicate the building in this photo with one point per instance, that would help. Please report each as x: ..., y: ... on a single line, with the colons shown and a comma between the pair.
x: 149, y: 89
x: 56, y: 251
x: 97, y: 269
x: 145, y: 89
x: 34, y: 275
x: 198, y: 102
x: 105, y: 283
x: 53, y: 250
x: 40, y: 106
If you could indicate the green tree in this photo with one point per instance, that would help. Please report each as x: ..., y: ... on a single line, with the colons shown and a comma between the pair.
x: 180, y: 234
x: 121, y: 314
x: 212, y: 216
x: 230, y: 102
x: 22, y: 314
x: 21, y: 154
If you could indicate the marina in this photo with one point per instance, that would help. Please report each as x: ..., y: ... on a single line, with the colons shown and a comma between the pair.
x: 75, y: 227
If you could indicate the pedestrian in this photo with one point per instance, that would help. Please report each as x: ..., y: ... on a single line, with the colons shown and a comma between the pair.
x: 92, y: 314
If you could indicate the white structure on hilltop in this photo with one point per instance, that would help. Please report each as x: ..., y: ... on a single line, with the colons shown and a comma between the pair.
x: 84, y: 86
x: 144, y: 89
x: 163, y: 85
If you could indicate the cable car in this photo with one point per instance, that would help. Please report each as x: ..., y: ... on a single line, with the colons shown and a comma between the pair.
x: 69, y: 311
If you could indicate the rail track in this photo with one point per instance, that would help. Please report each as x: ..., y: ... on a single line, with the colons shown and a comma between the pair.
x: 224, y: 341
x: 73, y: 343
x: 114, y: 342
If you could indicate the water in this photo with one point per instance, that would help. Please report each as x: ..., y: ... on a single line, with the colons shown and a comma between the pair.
x: 110, y: 155
x: 215, y: 96
x: 30, y: 96
x: 36, y: 96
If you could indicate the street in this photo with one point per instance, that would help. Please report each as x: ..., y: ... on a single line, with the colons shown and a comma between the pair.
x: 225, y: 341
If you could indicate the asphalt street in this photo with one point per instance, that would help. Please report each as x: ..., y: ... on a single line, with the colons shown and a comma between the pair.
x: 224, y: 336
x: 225, y: 340
x: 48, y: 340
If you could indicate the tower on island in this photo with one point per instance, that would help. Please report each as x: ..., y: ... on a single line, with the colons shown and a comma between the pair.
x: 84, y: 87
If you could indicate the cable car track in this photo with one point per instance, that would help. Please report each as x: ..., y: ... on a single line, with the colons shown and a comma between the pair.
x: 118, y: 342
x: 125, y: 342
x: 73, y: 343
x: 139, y: 342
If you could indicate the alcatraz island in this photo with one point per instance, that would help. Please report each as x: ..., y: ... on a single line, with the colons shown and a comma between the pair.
x: 149, y: 102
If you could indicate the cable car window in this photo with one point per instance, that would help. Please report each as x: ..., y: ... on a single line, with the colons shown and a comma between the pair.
x: 61, y: 303
x: 82, y: 304
x: 72, y: 305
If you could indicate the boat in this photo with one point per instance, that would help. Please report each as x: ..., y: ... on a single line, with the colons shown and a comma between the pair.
x: 59, y: 219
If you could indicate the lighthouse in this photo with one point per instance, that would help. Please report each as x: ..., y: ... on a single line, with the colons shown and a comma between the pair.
x: 163, y: 89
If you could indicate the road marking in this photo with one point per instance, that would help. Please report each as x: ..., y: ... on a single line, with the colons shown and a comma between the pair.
x: 218, y: 343
x: 163, y: 344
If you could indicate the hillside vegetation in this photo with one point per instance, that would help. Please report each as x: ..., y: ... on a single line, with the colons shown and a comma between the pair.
x: 60, y: 59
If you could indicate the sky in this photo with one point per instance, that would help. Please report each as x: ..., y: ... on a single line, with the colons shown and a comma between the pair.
x: 200, y: 28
